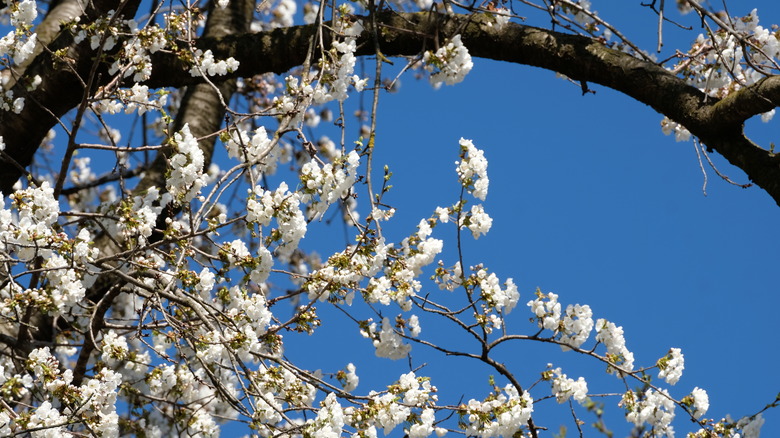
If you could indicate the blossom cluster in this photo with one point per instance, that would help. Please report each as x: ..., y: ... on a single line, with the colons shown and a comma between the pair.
x: 204, y: 64
x: 564, y: 388
x: 136, y: 99
x: 264, y: 205
x: 449, y: 64
x: 502, y: 413
x: 249, y: 149
x: 472, y: 169
x: 92, y: 403
x: 20, y: 44
x: 612, y: 337
x: 186, y: 176
x: 335, y: 75
x: 324, y: 185
x: 727, y: 60
x: 671, y: 366
x: 655, y: 408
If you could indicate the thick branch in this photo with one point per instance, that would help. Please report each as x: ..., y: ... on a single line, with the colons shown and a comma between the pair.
x: 717, y: 124
x: 741, y: 105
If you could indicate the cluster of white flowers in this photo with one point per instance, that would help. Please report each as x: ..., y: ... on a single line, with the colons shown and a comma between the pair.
x: 547, y: 310
x: 93, y: 403
x: 400, y: 284
x: 325, y: 185
x: 23, y: 13
x: 237, y: 253
x: 564, y: 388
x: 250, y: 318
x: 8, y: 103
x: 402, y: 402
x: 343, y: 272
x: 139, y: 218
x: 380, y: 290
x: 336, y: 72
x: 65, y: 288
x: 387, y: 342
x: 721, y: 63
x: 472, y: 169
x: 248, y: 309
x: 280, y: 15
x: 249, y: 149
x: 418, y: 391
x: 449, y: 279
x: 701, y: 402
x: 389, y: 413
x: 137, y: 98
x: 20, y: 43
x: 350, y: 378
x: 576, y: 326
x: 450, y: 64
x: 426, y: 250
x: 339, y: 70
x: 330, y: 419
x: 205, y: 64
x: 133, y: 58
x: 501, y: 17
x: 680, y: 133
x: 185, y: 384
x: 414, y: 326
x: 37, y: 211
x: 501, y: 414
x: 655, y: 408
x: 46, y: 417
x: 612, y: 337
x: 477, y: 221
x: 424, y: 428
x: 751, y: 426
x: 186, y: 166
x: 263, y: 205
x: 670, y: 367
x: 502, y: 300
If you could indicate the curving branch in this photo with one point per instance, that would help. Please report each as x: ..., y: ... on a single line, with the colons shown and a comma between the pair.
x: 718, y: 124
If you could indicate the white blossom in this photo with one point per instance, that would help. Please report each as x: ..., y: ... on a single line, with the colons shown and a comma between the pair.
x: 612, y: 337
x: 508, y: 412
x: 701, y: 402
x: 389, y: 344
x: 564, y: 388
x: 547, y: 310
x: 450, y: 64
x: 472, y: 169
x: 186, y: 177
x: 577, y: 324
x: 477, y: 220
x: 670, y: 367
x: 206, y: 64
x: 249, y: 149
x: 352, y: 379
x: 751, y: 426
x: 656, y: 408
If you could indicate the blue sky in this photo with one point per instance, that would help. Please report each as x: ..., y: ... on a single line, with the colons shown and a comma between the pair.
x: 591, y: 201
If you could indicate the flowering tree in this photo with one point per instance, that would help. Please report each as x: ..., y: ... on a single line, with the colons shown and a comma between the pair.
x: 154, y: 296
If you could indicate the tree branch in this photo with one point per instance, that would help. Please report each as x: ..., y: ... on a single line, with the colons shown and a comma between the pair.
x: 717, y: 123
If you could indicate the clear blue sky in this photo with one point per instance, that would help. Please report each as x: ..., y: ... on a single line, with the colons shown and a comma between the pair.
x: 591, y: 201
